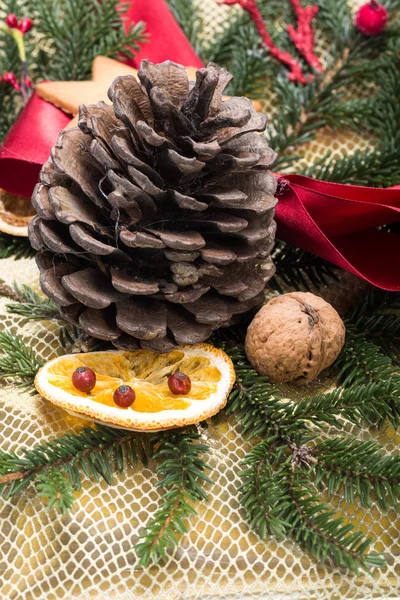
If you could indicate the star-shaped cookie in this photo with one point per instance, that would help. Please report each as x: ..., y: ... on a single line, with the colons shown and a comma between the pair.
x: 68, y: 95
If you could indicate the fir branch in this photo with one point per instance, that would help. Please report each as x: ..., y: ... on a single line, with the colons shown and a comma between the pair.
x: 15, y: 247
x: 18, y: 362
x: 76, y: 32
x: 10, y: 100
x: 263, y: 409
x: 98, y: 451
x: 303, y: 111
x: 280, y: 499
x: 360, y: 468
x: 10, y: 107
x: 321, y: 532
x: 298, y: 268
x: 378, y: 317
x: 263, y: 496
x: 362, y: 361
x: 250, y: 64
x: 32, y: 306
x: 182, y: 469
x: 239, y: 50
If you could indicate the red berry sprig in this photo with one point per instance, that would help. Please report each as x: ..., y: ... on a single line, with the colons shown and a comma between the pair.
x: 25, y: 25
x: 84, y: 379
x: 17, y: 30
x: 12, y: 21
x: 124, y: 396
x: 371, y: 19
x: 179, y: 384
x: 11, y: 80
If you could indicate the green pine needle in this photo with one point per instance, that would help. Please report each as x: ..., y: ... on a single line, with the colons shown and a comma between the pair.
x: 18, y: 362
x: 73, y: 33
x: 298, y: 268
x: 325, y: 535
x: 14, y: 247
x: 58, y: 490
x: 32, y: 306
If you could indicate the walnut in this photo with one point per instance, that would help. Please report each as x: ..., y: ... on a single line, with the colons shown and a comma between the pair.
x: 294, y: 337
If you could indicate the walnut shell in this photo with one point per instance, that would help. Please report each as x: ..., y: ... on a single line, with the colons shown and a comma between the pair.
x: 294, y: 337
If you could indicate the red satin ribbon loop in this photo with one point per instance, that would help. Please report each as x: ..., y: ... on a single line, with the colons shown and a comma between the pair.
x: 338, y: 222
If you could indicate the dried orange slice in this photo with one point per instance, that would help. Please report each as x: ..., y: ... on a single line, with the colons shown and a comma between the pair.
x: 15, y: 214
x: 155, y: 407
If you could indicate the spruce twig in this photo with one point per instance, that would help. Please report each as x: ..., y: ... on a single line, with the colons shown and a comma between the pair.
x: 57, y: 489
x: 14, y: 247
x: 98, y: 451
x: 360, y: 468
x: 18, y: 362
x: 273, y: 495
x: 31, y: 305
x: 73, y: 33
x: 262, y: 409
x: 322, y: 533
x: 298, y: 268
x: 182, y: 469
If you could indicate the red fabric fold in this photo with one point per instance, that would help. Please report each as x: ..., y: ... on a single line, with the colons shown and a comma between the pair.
x: 167, y: 40
x: 28, y: 145
x: 338, y: 222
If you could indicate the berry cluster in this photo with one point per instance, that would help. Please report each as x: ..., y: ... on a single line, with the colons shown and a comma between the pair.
x: 84, y: 380
x: 17, y: 30
x: 24, y: 25
x: 11, y: 79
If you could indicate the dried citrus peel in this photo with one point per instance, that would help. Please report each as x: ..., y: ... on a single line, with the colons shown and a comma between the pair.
x: 155, y: 407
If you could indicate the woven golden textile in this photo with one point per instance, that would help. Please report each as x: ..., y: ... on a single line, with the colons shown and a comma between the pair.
x: 88, y: 554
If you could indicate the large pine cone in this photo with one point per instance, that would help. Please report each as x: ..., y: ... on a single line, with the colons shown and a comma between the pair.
x: 154, y: 217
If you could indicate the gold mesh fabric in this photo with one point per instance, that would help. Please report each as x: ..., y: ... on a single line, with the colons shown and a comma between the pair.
x: 88, y: 554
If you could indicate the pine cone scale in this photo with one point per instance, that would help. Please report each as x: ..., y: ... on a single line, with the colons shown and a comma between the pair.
x: 142, y: 319
x: 154, y: 217
x: 99, y: 324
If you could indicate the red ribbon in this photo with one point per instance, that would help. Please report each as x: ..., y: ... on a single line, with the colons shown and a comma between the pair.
x: 336, y: 222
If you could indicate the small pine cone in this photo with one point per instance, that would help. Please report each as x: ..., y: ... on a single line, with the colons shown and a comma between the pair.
x: 155, y: 217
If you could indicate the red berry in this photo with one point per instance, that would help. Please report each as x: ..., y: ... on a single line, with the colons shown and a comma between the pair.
x: 84, y: 379
x: 179, y: 384
x: 12, y: 21
x: 124, y: 396
x: 25, y: 25
x: 10, y: 78
x: 28, y: 82
x: 371, y: 18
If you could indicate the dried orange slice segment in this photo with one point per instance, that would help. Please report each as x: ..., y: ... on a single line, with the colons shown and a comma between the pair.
x: 15, y: 214
x: 155, y: 407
